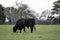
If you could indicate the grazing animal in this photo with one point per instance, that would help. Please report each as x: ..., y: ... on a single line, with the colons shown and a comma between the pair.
x: 22, y: 23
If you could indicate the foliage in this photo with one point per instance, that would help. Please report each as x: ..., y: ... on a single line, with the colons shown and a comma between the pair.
x: 24, y: 11
x: 56, y: 7
x: 46, y: 13
x: 13, y: 14
x: 2, y: 16
x: 56, y: 10
x: 44, y: 18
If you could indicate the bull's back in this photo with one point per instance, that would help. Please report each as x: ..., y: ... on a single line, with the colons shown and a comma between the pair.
x: 29, y: 22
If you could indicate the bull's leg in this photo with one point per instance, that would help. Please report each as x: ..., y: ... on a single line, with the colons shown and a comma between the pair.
x: 20, y: 30
x: 31, y: 29
x: 24, y: 29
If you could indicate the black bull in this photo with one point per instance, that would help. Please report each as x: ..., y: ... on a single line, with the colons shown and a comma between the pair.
x: 22, y: 23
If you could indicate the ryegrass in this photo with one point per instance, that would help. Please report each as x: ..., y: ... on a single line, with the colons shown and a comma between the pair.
x: 43, y: 32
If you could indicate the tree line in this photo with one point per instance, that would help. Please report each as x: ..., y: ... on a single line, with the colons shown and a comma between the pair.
x: 9, y: 15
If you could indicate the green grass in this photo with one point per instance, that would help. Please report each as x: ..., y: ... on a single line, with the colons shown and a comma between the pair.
x: 43, y: 32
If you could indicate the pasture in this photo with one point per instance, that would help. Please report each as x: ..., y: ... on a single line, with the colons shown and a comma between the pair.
x: 43, y: 32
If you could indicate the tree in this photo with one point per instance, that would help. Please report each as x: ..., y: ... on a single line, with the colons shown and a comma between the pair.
x: 11, y: 14
x: 2, y: 16
x: 45, y: 14
x: 44, y: 18
x: 23, y: 11
x: 56, y: 7
x: 56, y: 10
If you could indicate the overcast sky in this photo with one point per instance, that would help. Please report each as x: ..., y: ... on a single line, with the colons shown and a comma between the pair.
x: 38, y: 5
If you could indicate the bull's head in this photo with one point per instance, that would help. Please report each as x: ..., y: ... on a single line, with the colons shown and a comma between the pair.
x: 14, y: 29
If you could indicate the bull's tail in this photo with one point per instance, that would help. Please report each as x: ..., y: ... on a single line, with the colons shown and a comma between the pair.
x: 34, y: 28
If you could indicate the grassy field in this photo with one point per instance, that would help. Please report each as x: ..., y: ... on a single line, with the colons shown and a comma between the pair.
x: 43, y: 32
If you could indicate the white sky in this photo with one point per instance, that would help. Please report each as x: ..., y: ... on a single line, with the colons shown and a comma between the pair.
x: 37, y: 5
